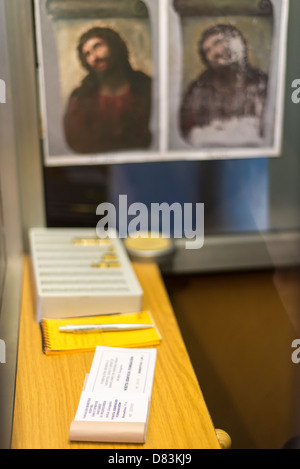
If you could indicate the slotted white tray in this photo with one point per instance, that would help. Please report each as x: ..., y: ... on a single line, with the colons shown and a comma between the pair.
x: 78, y: 274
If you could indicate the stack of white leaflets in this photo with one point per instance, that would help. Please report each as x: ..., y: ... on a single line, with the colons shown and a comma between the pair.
x: 115, y: 402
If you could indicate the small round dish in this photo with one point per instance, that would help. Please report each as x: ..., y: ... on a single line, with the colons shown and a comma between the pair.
x: 148, y: 246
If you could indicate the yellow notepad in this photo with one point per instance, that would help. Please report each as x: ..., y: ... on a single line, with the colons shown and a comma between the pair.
x: 55, y: 342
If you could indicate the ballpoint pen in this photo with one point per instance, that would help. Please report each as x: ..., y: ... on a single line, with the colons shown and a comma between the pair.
x: 103, y: 327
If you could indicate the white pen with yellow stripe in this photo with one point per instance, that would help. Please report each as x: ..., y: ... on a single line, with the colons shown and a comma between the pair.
x: 104, y: 327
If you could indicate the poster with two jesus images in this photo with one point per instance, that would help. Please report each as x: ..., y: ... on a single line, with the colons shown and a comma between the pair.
x: 160, y: 80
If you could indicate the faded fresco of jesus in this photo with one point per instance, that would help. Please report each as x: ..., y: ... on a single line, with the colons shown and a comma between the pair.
x: 228, y: 99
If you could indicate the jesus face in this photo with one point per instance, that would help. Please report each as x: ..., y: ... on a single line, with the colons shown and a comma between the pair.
x: 97, y: 54
x: 222, y: 50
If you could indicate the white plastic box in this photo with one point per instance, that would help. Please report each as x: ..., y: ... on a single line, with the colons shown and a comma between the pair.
x: 79, y: 274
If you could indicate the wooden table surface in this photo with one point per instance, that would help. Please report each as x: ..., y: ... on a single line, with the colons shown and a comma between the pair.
x: 48, y: 388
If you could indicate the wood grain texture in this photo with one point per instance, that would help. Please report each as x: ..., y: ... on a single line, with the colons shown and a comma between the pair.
x: 48, y: 388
